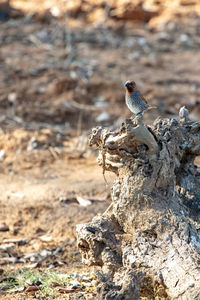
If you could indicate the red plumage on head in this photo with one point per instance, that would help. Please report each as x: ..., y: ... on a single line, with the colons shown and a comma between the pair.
x: 130, y: 86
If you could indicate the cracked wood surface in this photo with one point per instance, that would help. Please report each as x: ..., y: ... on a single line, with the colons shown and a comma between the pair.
x: 151, y: 229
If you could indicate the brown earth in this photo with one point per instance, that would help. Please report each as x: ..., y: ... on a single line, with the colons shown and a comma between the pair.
x: 62, y: 75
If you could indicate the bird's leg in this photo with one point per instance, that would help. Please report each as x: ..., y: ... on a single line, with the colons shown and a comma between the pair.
x: 133, y: 116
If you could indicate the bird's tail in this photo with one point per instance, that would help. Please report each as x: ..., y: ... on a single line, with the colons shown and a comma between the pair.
x: 152, y: 107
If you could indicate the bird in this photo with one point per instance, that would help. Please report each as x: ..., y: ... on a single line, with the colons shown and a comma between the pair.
x: 134, y: 99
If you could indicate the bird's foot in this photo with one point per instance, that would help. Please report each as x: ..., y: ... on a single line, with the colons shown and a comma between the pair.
x: 135, y: 115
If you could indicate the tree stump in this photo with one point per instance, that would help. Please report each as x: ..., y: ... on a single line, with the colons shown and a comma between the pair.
x: 148, y: 241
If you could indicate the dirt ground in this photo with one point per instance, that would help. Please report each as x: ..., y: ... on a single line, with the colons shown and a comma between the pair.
x: 62, y: 72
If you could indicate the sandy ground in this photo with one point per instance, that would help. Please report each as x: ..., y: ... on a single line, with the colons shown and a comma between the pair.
x: 59, y: 81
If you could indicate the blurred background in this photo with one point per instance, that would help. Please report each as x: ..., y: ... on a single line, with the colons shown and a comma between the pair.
x: 63, y: 68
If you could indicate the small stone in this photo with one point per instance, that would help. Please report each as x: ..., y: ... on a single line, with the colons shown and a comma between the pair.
x: 12, y: 97
x: 184, y: 38
x: 4, y: 227
x: 2, y: 154
x: 55, y: 11
x: 45, y: 238
x: 76, y: 286
x: 32, y: 144
x: 142, y: 41
x: 83, y: 201
x: 45, y: 253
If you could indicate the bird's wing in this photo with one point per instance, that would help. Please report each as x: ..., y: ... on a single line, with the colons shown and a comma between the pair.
x: 143, y: 99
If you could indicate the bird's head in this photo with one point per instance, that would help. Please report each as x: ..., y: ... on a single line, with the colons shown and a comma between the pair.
x: 130, y: 86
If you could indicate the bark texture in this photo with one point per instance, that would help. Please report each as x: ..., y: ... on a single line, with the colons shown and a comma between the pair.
x: 148, y: 241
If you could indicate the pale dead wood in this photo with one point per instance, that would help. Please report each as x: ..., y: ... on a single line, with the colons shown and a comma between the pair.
x: 148, y: 238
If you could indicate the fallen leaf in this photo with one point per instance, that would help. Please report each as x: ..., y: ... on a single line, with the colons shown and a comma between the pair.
x: 7, y: 260
x: 31, y: 256
x: 17, y: 195
x: 68, y: 291
x: 7, y: 247
x: 32, y: 288
x: 20, y: 242
x: 18, y: 289
x: 32, y: 266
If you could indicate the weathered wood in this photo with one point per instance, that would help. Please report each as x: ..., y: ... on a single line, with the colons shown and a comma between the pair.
x: 149, y: 238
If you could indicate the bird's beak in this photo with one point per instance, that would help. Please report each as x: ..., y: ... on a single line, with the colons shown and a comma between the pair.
x: 127, y: 84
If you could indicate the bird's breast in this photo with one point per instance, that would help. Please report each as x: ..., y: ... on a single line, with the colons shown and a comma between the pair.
x: 135, y: 103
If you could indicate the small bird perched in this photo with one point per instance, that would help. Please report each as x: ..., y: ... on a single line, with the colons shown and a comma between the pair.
x: 134, y: 100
